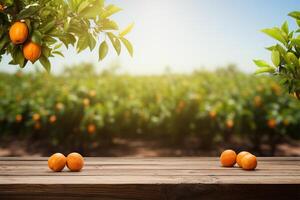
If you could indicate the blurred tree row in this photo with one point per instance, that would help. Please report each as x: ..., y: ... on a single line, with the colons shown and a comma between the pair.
x: 81, y: 106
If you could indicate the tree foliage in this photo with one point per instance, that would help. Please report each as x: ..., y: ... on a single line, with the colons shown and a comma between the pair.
x: 285, y: 55
x: 53, y: 23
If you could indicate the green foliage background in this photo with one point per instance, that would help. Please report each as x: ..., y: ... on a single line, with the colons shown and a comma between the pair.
x: 169, y: 108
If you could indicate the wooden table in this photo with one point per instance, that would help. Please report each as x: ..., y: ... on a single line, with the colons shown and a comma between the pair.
x: 150, y: 178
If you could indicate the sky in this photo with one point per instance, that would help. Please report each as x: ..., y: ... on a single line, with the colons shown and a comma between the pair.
x: 187, y: 35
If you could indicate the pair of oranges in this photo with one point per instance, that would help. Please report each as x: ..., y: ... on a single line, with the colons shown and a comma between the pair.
x: 74, y: 161
x: 18, y: 34
x: 244, y: 159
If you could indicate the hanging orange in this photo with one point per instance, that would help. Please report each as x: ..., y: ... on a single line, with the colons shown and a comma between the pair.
x: 18, y: 33
x: 32, y: 51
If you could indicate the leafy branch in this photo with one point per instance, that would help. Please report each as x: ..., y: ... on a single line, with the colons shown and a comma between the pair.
x: 285, y: 55
x: 51, y: 23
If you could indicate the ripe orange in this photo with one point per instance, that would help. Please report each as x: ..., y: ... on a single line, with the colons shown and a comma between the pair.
x: 19, y: 118
x: 57, y: 162
x: 212, y: 114
x: 229, y: 124
x: 228, y: 158
x: 272, y: 123
x: 91, y: 129
x: 36, y: 117
x: 52, y: 119
x: 32, y: 51
x: 249, y: 162
x: 18, y: 33
x: 75, y: 162
x: 240, y: 156
x: 1, y: 7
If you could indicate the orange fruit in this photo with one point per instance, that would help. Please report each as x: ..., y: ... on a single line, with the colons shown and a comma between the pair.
x: 249, y: 162
x: 18, y: 33
x: 91, y: 128
x: 75, y: 162
x: 32, y: 51
x: 52, y: 119
x: 212, y: 114
x: 36, y: 117
x: 19, y: 118
x: 228, y: 158
x: 229, y: 124
x: 1, y: 7
x: 272, y: 123
x: 57, y: 162
x: 240, y: 156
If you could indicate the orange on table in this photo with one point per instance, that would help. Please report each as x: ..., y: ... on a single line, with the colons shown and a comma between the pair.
x: 57, y: 162
x: 240, y: 156
x: 75, y: 162
x: 228, y: 158
x: 249, y: 162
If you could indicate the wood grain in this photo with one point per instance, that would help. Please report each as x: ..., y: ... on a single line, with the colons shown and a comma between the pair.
x: 150, y: 178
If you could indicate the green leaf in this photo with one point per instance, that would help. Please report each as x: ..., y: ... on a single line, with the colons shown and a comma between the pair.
x: 265, y: 70
x: 18, y: 57
x: 37, y: 37
x: 58, y: 53
x: 4, y: 41
x: 275, y: 58
x: 296, y: 41
x: 68, y: 39
x: 261, y: 63
x: 295, y: 15
x: 45, y: 62
x: 285, y: 27
x: 27, y: 12
x: 83, y: 42
x: 127, y: 45
x: 292, y: 59
x: 126, y: 30
x: 276, y: 34
x: 107, y: 24
x: 46, y: 51
x: 103, y: 50
x: 109, y: 10
x: 115, y: 42
x: 92, y: 10
x: 48, y: 27
x: 92, y: 42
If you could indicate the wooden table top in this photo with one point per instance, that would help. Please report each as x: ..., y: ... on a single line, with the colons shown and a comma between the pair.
x: 30, y: 176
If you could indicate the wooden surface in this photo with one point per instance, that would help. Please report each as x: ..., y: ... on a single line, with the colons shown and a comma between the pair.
x: 150, y: 178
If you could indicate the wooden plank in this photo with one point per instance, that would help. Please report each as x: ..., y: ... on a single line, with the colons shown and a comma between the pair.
x: 179, y: 179
x: 150, y: 192
x: 150, y: 178
x: 147, y: 172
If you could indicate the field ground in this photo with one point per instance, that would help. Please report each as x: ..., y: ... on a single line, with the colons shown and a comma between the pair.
x: 136, y: 148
